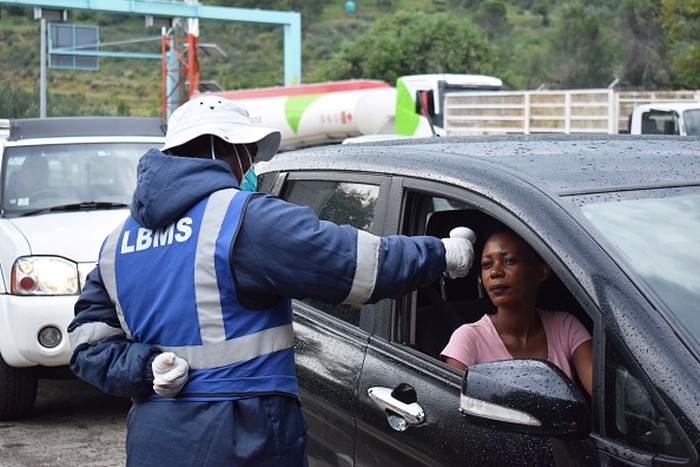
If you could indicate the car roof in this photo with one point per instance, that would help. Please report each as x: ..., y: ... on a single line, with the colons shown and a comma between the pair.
x: 690, y: 105
x: 56, y: 127
x: 565, y: 164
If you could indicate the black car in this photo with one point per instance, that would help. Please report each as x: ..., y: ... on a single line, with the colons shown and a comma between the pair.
x: 618, y: 220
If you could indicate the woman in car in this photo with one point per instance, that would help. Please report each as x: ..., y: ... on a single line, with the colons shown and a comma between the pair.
x: 511, y: 273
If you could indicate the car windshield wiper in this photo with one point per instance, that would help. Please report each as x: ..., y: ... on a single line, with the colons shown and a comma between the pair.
x: 84, y: 206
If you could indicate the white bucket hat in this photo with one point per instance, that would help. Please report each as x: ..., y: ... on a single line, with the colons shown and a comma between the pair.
x: 218, y: 116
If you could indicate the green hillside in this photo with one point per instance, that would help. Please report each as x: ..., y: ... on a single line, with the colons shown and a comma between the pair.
x: 528, y: 43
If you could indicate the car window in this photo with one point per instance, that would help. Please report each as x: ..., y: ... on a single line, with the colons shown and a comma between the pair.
x: 692, y: 121
x: 660, y: 122
x: 632, y: 417
x: 342, y: 203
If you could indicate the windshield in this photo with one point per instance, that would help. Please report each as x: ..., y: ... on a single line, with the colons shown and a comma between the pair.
x: 692, y: 121
x: 41, y: 177
x: 659, y: 236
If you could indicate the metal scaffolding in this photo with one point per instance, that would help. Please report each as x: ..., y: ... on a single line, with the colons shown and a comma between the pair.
x: 180, y: 64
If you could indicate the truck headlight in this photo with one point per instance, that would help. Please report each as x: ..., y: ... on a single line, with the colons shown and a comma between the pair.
x: 45, y: 275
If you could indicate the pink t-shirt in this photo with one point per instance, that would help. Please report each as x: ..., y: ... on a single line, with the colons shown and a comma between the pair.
x: 479, y: 342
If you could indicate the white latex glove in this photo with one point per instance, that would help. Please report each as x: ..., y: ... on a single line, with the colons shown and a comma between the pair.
x: 170, y: 373
x: 459, y: 251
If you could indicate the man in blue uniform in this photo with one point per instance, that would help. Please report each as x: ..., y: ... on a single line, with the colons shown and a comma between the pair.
x: 188, y: 311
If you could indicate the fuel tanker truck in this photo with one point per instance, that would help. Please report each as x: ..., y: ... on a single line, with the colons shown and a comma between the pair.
x: 332, y: 112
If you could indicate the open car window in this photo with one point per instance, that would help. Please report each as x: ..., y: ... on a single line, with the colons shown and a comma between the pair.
x: 435, y: 311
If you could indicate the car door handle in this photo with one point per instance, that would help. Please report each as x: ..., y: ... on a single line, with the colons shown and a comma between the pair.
x: 412, y: 412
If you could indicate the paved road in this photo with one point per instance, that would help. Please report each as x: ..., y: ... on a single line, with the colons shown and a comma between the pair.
x: 73, y: 425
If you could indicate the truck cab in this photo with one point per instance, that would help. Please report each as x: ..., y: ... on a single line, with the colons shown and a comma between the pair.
x: 670, y: 118
x: 420, y: 108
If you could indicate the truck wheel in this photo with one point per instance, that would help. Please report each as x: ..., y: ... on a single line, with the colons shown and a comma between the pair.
x: 18, y: 387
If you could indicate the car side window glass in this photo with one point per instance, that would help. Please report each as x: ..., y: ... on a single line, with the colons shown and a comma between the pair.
x: 632, y: 417
x: 342, y: 203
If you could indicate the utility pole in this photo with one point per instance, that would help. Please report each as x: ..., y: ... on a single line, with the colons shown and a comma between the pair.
x: 42, y: 70
x: 43, y: 14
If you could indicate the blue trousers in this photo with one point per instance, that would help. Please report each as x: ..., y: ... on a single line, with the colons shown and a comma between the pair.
x: 260, y: 431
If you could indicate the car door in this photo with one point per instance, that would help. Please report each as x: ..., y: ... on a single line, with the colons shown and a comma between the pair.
x: 408, y: 400
x: 395, y: 381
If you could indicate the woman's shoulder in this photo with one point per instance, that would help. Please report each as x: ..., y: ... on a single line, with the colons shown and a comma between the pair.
x: 477, y: 327
x: 556, y: 316
x: 559, y: 319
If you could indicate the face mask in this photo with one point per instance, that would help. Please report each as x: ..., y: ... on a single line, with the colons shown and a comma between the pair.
x: 250, y: 180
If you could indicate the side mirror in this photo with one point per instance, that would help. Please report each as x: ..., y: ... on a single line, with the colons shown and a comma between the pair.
x: 425, y: 103
x: 525, y: 396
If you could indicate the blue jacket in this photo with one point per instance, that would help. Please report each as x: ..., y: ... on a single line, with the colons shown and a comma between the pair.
x: 280, y: 251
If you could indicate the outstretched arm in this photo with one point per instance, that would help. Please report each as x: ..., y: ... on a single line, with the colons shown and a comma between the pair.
x: 286, y: 250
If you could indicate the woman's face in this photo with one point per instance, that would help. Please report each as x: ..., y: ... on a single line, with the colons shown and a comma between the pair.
x: 511, y: 271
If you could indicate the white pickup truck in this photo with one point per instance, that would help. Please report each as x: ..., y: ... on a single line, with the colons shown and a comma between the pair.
x: 666, y: 118
x: 65, y: 183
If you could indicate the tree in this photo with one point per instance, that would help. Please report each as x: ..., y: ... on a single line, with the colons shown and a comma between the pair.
x: 645, y: 63
x: 582, y: 52
x: 413, y: 43
x: 681, y: 24
x: 541, y: 7
x: 491, y: 15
